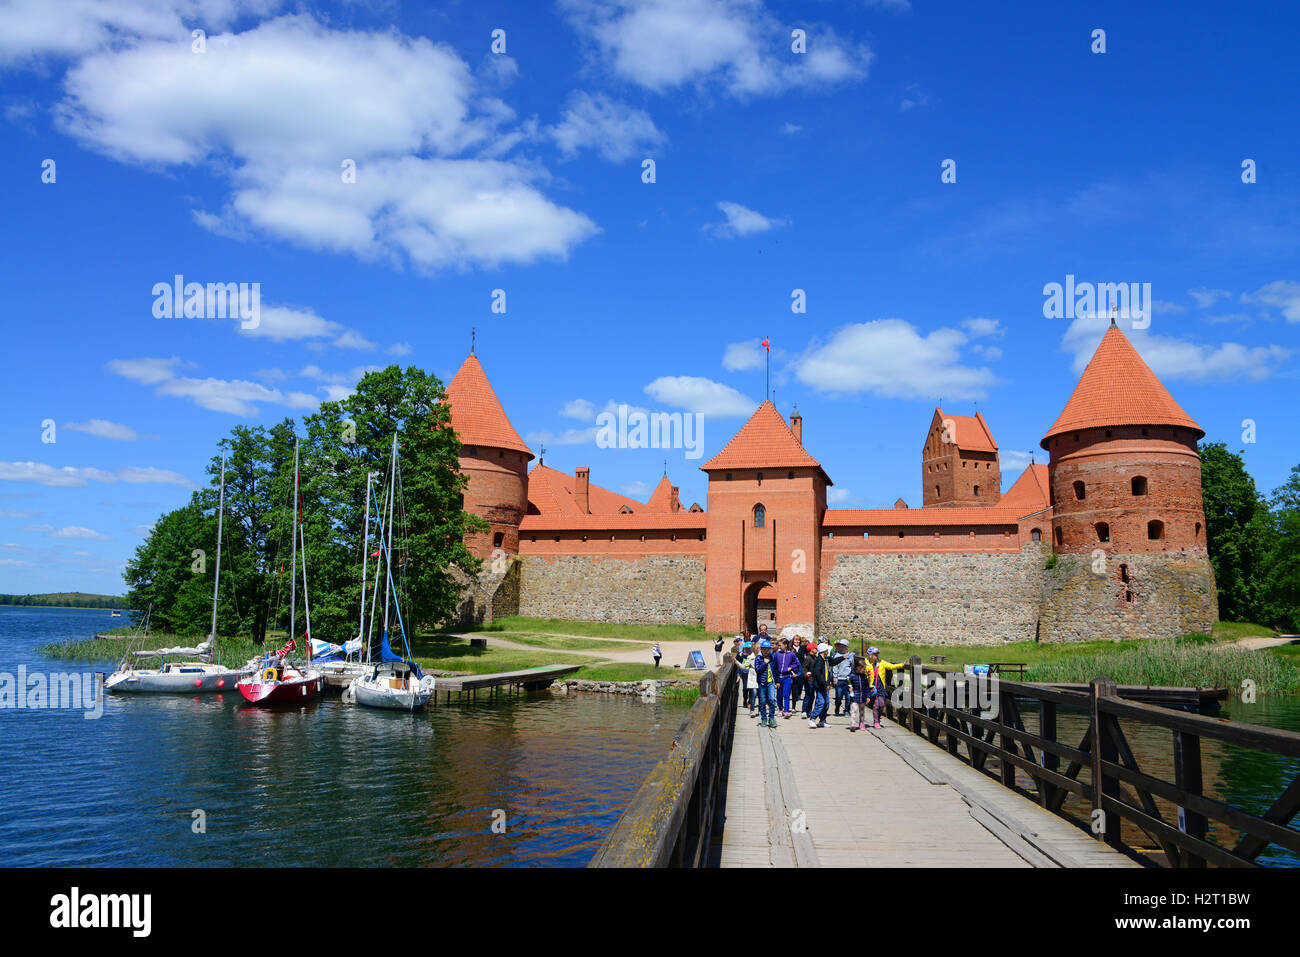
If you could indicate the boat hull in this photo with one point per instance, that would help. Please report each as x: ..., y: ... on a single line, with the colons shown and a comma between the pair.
x: 196, y: 680
x: 379, y: 693
x: 285, y: 691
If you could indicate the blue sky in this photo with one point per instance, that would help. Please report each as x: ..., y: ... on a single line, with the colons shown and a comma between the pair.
x: 522, y: 171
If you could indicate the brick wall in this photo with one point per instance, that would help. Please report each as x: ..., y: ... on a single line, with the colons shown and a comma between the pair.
x: 497, y: 493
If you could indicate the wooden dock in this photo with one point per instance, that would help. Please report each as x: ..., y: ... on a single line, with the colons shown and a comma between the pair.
x: 799, y: 797
x: 514, y: 682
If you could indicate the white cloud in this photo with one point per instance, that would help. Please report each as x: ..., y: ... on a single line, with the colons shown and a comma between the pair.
x: 743, y: 356
x: 294, y: 324
x: 236, y: 396
x: 741, y: 221
x: 735, y: 45
x: 280, y: 107
x: 19, y: 512
x: 399, y: 349
x: 891, y: 358
x: 978, y: 327
x: 1014, y: 461
x: 1280, y: 295
x: 1205, y: 298
x: 638, y: 489
x: 36, y: 28
x: 697, y: 394
x: 71, y: 477
x: 841, y: 496
x: 104, y: 429
x: 912, y: 98
x: 790, y: 128
x: 69, y: 531
x: 616, y: 130
x: 579, y: 409
x: 1171, y: 358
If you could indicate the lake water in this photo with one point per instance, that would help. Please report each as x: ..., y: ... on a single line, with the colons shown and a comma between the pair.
x: 321, y: 785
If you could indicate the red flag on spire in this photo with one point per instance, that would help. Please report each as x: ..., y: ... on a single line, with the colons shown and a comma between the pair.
x: 766, y: 344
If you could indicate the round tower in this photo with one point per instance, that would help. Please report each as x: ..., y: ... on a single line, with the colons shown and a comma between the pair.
x: 1124, y: 472
x: 494, y: 459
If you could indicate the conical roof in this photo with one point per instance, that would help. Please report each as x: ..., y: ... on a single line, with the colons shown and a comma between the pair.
x: 476, y: 412
x: 1117, y: 388
x: 765, y: 441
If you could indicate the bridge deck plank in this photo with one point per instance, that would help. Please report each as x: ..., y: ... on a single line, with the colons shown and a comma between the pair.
x: 867, y: 805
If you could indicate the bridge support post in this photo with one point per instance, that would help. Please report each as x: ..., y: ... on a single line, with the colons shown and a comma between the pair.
x: 1106, y: 824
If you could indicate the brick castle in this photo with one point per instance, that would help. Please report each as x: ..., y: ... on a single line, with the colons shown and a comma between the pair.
x: 1107, y: 540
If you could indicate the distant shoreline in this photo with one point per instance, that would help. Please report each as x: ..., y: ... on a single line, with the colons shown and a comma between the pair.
x: 84, y: 601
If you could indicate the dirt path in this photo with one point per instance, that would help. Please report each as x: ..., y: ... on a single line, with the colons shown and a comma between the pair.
x: 1254, y: 644
x: 675, y: 652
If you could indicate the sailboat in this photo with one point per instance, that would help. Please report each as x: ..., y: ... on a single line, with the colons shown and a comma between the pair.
x: 205, y: 674
x: 395, y: 682
x: 279, y: 681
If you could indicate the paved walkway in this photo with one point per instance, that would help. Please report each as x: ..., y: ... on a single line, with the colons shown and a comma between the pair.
x: 798, y: 797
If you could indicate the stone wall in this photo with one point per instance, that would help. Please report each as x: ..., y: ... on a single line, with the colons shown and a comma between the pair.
x: 1129, y: 596
x: 992, y: 599
x: 936, y: 598
x: 654, y: 589
x: 488, y: 596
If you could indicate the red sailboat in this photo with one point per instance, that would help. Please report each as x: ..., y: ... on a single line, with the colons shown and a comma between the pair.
x: 280, y: 681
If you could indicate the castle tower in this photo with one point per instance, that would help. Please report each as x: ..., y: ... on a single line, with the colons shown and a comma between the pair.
x: 493, y: 457
x: 959, y: 462
x: 766, y: 499
x: 1124, y: 472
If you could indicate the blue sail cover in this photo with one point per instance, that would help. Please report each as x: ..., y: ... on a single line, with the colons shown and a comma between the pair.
x: 386, y: 654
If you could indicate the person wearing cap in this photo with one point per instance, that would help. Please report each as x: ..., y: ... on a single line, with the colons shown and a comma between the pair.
x: 810, y: 693
x: 717, y: 649
x: 815, y: 673
x: 841, y: 665
x: 765, y: 684
x: 786, y: 665
x: 877, y: 672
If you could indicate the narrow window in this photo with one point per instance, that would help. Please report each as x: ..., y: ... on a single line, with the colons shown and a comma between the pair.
x: 1128, y: 596
x: 1198, y: 529
x: 1123, y: 574
x: 1103, y: 531
x: 1080, y: 493
x: 1155, y: 530
x: 977, y: 491
x: 790, y: 474
x: 1036, y: 535
x: 1060, y: 539
x: 497, y: 539
x: 760, y: 516
x: 936, y: 491
x: 1139, y: 485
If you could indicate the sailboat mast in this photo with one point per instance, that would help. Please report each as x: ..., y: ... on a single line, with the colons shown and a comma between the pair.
x: 388, y: 549
x: 365, y: 555
x: 216, y: 585
x: 306, y: 601
x: 293, y: 565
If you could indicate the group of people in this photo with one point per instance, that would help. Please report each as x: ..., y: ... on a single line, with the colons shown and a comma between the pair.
x: 775, y: 673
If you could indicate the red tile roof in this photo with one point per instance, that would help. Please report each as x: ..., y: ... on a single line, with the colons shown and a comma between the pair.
x: 853, y: 517
x: 1117, y: 388
x: 662, y: 499
x: 765, y: 441
x: 972, y: 432
x: 550, y: 492
x: 476, y: 412
x: 1030, y: 491
x: 645, y: 521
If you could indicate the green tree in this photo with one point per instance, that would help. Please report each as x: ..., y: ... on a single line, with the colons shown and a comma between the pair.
x: 1282, y: 581
x: 1237, y: 532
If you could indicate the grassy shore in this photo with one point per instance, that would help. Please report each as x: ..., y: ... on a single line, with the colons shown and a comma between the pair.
x: 1179, y: 664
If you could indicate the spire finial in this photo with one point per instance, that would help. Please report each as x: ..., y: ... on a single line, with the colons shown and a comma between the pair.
x: 473, y: 334
x: 541, y: 455
x: 665, y: 468
x: 1113, y: 313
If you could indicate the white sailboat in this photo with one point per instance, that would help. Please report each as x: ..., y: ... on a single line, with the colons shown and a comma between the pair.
x: 186, y: 676
x: 395, y: 682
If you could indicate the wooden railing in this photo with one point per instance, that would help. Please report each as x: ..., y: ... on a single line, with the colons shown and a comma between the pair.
x: 674, y: 816
x: 1116, y: 786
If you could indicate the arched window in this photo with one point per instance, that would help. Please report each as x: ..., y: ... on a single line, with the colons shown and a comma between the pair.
x: 977, y: 491
x: 1103, y: 531
x: 497, y: 539
x: 936, y: 491
x: 760, y: 516
x: 1155, y: 530
x: 1036, y: 535
x: 1139, y: 485
x: 1198, y: 530
x: 1080, y: 493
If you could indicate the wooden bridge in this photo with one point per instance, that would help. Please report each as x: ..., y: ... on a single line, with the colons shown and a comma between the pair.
x: 732, y: 794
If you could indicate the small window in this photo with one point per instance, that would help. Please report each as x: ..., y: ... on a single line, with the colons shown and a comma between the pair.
x: 1123, y: 574
x: 1128, y: 596
x: 936, y: 491
x: 900, y: 534
x: 1198, y: 530
x: 1155, y: 530
x: 760, y: 478
x: 497, y: 539
x: 866, y: 534
x: 1103, y: 531
x: 1060, y: 538
x: 977, y: 491
x: 1080, y: 492
x: 1139, y: 485
x: 728, y: 476
x: 760, y: 516
x: 1036, y: 535
x: 791, y: 474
